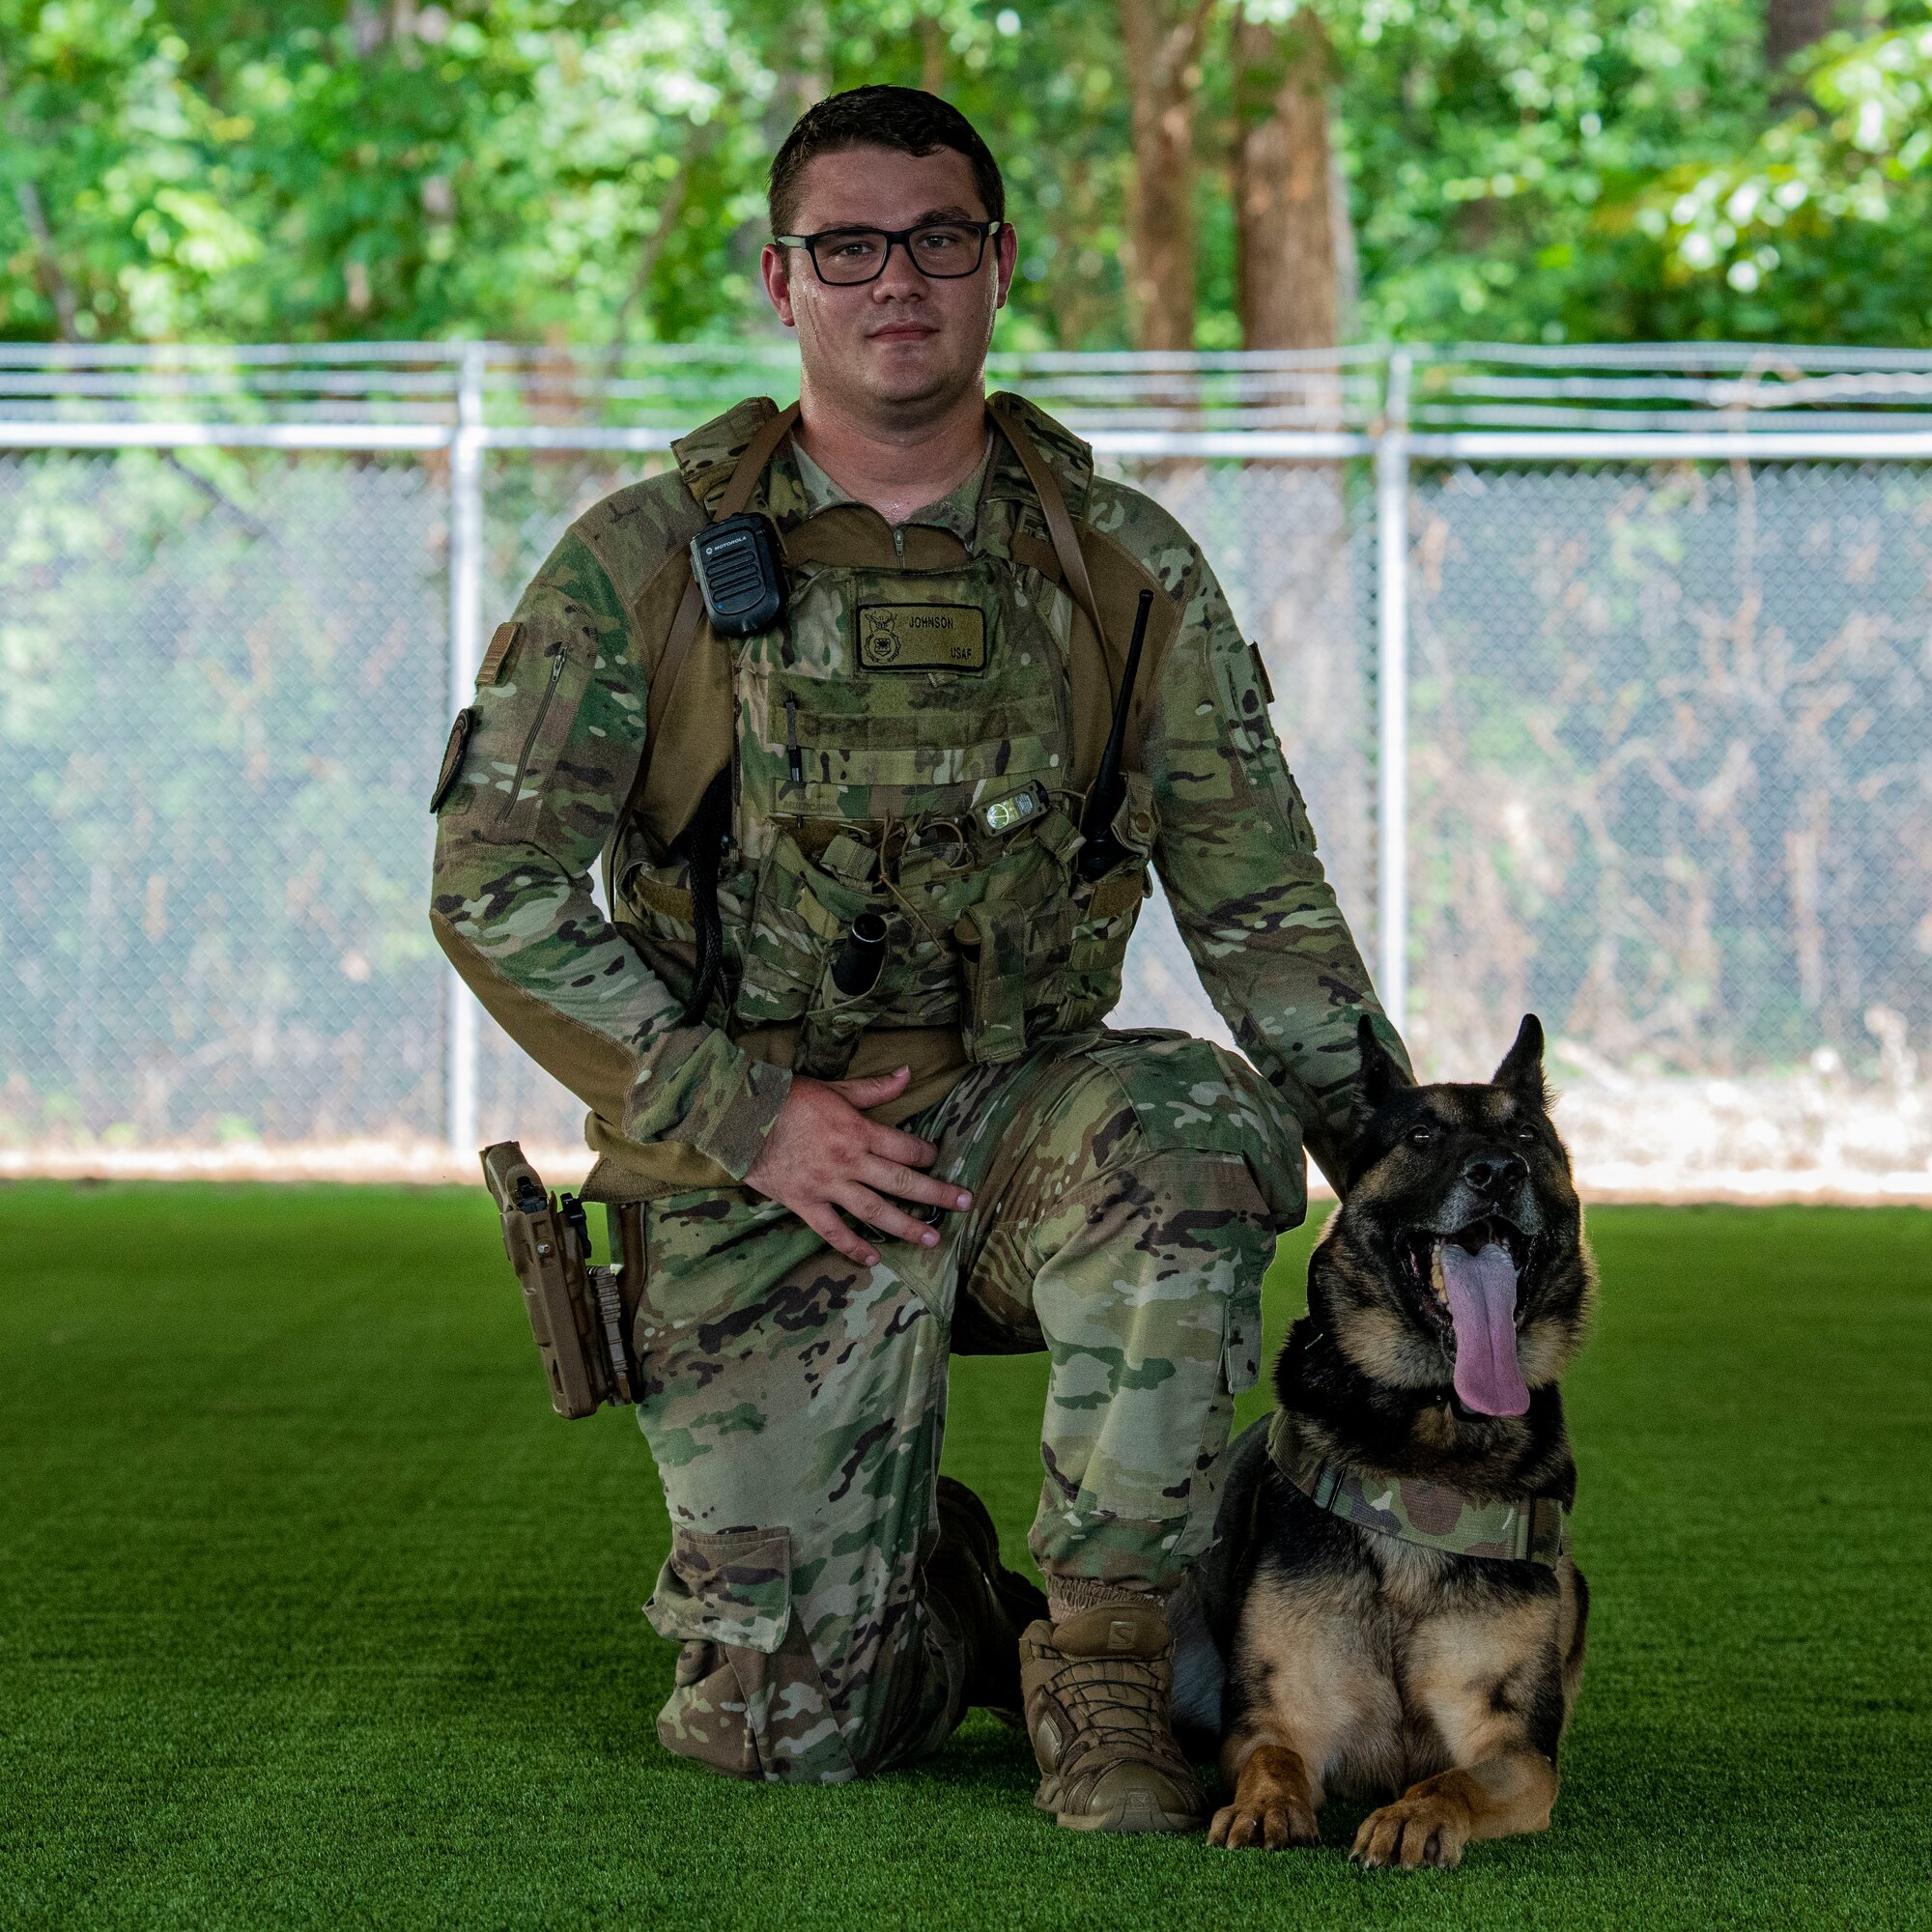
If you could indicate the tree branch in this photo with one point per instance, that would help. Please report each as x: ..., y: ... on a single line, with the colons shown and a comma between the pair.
x: 652, y: 248
x: 1192, y: 29
x: 59, y: 291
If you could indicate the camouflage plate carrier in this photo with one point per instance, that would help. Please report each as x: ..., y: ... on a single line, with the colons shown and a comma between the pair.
x: 908, y: 747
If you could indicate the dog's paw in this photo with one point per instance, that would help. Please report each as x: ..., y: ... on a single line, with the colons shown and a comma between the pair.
x: 1274, y: 1822
x: 1412, y: 1833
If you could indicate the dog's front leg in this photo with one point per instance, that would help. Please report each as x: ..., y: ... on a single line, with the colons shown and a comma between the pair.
x: 1276, y: 1796
x: 1431, y: 1821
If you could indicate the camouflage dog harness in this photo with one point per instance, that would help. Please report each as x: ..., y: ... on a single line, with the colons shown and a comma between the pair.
x: 1534, y: 1530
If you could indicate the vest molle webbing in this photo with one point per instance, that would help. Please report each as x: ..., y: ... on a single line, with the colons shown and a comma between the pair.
x: 911, y: 741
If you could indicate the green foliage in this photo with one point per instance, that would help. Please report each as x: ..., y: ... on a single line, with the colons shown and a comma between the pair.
x: 591, y: 171
x: 514, y: 169
x: 1485, y: 139
x: 1825, y: 222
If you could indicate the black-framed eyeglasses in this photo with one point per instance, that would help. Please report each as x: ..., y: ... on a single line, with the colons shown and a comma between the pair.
x: 847, y: 256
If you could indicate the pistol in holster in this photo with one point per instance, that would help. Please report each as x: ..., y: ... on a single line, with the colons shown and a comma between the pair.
x: 580, y: 1313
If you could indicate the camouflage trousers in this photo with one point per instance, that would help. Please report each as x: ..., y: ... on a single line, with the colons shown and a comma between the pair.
x: 1128, y: 1190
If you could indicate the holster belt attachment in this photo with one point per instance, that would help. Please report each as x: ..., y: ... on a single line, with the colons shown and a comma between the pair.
x: 582, y: 1314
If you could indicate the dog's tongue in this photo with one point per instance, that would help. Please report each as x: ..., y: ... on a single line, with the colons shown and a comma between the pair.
x: 1482, y: 1305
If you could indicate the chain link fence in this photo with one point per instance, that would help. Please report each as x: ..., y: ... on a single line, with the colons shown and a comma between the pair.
x: 1641, y: 718
x: 222, y: 691
x: 1671, y: 787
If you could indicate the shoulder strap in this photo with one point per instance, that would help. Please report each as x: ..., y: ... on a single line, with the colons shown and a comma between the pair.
x: 1059, y: 525
x: 669, y: 793
x: 1090, y: 668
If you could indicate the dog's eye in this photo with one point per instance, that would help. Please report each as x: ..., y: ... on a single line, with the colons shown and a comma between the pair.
x: 1421, y: 1136
x: 1525, y: 1134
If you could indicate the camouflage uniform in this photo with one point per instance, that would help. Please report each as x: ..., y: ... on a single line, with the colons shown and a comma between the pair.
x: 1127, y: 1186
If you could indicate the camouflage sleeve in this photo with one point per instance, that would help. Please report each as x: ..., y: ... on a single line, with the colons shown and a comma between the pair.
x: 1237, y: 855
x: 557, y: 735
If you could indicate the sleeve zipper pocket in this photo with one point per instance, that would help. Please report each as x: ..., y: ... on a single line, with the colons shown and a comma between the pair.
x: 556, y: 664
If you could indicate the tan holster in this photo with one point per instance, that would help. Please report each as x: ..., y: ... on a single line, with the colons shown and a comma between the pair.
x: 580, y: 1313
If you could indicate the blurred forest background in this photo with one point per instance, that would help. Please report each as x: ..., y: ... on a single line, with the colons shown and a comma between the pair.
x: 1183, y: 172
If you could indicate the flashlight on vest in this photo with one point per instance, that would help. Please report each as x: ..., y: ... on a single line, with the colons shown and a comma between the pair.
x: 855, y: 966
x: 739, y: 574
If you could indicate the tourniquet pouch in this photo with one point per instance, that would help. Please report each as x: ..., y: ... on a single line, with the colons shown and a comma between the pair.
x: 801, y: 912
x: 1014, y: 945
x: 834, y: 1020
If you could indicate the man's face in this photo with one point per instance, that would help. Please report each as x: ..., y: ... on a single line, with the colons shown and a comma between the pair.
x: 902, y: 349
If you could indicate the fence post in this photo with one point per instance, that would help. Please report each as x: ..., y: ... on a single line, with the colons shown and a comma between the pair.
x: 466, y: 611
x: 1392, y: 695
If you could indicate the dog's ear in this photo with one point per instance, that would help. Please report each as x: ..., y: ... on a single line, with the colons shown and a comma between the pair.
x: 1381, y: 1073
x: 1521, y: 1071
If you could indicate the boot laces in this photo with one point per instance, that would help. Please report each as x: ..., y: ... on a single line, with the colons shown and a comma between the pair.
x: 1115, y: 1701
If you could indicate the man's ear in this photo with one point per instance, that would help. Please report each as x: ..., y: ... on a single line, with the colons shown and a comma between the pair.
x: 1521, y: 1071
x: 1005, y: 258
x: 775, y: 271
x: 1381, y: 1073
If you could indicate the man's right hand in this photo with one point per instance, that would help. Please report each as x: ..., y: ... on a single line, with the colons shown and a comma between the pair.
x: 822, y: 1154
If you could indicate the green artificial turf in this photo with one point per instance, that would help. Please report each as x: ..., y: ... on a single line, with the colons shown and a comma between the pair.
x: 312, y: 1613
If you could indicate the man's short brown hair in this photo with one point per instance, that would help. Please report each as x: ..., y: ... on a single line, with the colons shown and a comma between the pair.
x: 902, y: 118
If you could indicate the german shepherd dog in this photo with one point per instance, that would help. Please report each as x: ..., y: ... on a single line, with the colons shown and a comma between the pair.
x: 1390, y: 1588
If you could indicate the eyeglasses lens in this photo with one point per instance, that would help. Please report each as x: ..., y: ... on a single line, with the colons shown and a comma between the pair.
x: 859, y: 254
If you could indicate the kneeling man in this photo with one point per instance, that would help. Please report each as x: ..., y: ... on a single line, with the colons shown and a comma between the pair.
x: 842, y: 1032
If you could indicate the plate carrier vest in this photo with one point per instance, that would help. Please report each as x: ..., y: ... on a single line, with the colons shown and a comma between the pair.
x: 913, y: 738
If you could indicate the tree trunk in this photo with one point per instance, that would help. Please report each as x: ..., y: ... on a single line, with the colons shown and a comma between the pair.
x: 1162, y: 41
x: 1790, y: 26
x: 1347, y: 257
x: 931, y: 55
x: 669, y: 209
x: 1286, y: 252
x: 60, y: 291
x: 1294, y: 271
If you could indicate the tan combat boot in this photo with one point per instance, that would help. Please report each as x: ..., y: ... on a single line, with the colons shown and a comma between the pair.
x: 1096, y: 1708
x: 986, y: 1604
